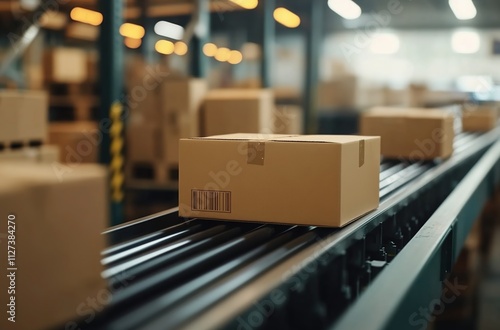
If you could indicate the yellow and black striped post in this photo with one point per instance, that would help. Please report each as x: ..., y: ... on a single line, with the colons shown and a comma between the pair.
x: 116, y: 149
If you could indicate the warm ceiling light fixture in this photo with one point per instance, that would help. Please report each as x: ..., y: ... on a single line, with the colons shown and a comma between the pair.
x: 180, y: 48
x: 348, y: 9
x: 286, y: 17
x: 133, y: 31
x: 247, y: 4
x: 463, y: 9
x: 169, y: 30
x: 132, y: 43
x: 210, y: 49
x: 164, y: 47
x: 235, y: 57
x: 222, y: 54
x: 86, y: 16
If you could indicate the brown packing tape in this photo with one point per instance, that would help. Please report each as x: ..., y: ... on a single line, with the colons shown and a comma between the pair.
x: 361, y: 152
x: 256, y: 152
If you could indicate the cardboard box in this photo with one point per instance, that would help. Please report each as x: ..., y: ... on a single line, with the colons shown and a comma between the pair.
x: 411, y: 133
x: 479, y: 119
x: 58, y: 224
x: 144, y: 142
x: 339, y: 92
x: 288, y: 119
x: 23, y: 117
x: 78, y: 141
x: 43, y: 154
x: 181, y: 102
x: 320, y: 180
x: 65, y: 65
x: 237, y: 110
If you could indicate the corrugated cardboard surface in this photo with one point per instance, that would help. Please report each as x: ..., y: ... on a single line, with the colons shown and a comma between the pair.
x: 58, y: 242
x: 307, y: 180
x: 23, y: 116
x: 78, y: 141
x: 238, y: 110
x: 411, y: 133
x: 479, y: 119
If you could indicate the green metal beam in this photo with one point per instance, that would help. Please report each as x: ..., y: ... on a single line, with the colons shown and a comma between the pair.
x: 314, y: 33
x: 111, y: 81
x: 199, y: 62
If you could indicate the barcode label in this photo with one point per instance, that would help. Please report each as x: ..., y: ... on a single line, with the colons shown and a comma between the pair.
x: 211, y: 201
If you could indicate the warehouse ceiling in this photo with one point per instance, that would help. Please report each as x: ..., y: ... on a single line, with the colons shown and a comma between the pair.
x: 415, y: 14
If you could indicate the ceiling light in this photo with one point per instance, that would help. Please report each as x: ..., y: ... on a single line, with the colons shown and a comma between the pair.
x: 169, y: 30
x: 463, y: 9
x: 348, y: 9
x: 286, y: 17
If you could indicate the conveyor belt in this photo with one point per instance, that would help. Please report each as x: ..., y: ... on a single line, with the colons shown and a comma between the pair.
x: 203, y: 274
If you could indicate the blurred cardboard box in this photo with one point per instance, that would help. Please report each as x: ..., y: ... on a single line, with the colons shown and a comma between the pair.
x: 237, y: 111
x: 339, y: 92
x: 144, y: 140
x: 288, y: 119
x: 42, y: 154
x: 411, y: 133
x: 65, y: 65
x: 292, y: 179
x: 57, y: 224
x: 78, y: 141
x: 181, y: 102
x: 23, y: 117
x: 479, y: 118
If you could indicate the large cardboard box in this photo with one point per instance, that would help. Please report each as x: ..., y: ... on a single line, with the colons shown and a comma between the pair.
x: 479, y: 118
x: 78, y: 141
x: 181, y: 102
x: 57, y: 228
x: 23, y: 117
x: 42, y: 154
x: 65, y: 65
x: 320, y: 180
x: 288, y: 119
x: 228, y: 111
x: 338, y: 92
x: 411, y: 133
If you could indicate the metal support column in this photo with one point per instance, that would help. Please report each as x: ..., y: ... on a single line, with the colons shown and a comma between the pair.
x: 199, y: 62
x: 147, y: 47
x: 110, y: 113
x: 314, y: 32
x: 268, y: 39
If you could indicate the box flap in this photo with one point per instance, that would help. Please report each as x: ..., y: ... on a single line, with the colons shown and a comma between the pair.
x: 242, y: 136
x: 394, y: 112
x: 337, y: 139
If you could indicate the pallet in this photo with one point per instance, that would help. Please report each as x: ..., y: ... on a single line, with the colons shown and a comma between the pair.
x: 20, y: 144
x: 42, y: 154
x: 151, y: 175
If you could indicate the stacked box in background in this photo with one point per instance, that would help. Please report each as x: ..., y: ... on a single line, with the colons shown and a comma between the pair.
x: 411, y: 133
x: 23, y: 118
x: 228, y: 111
x: 65, y: 65
x: 78, y: 141
x: 58, y: 221
x: 338, y: 92
x: 479, y: 118
x: 163, y: 109
x: 23, y: 127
